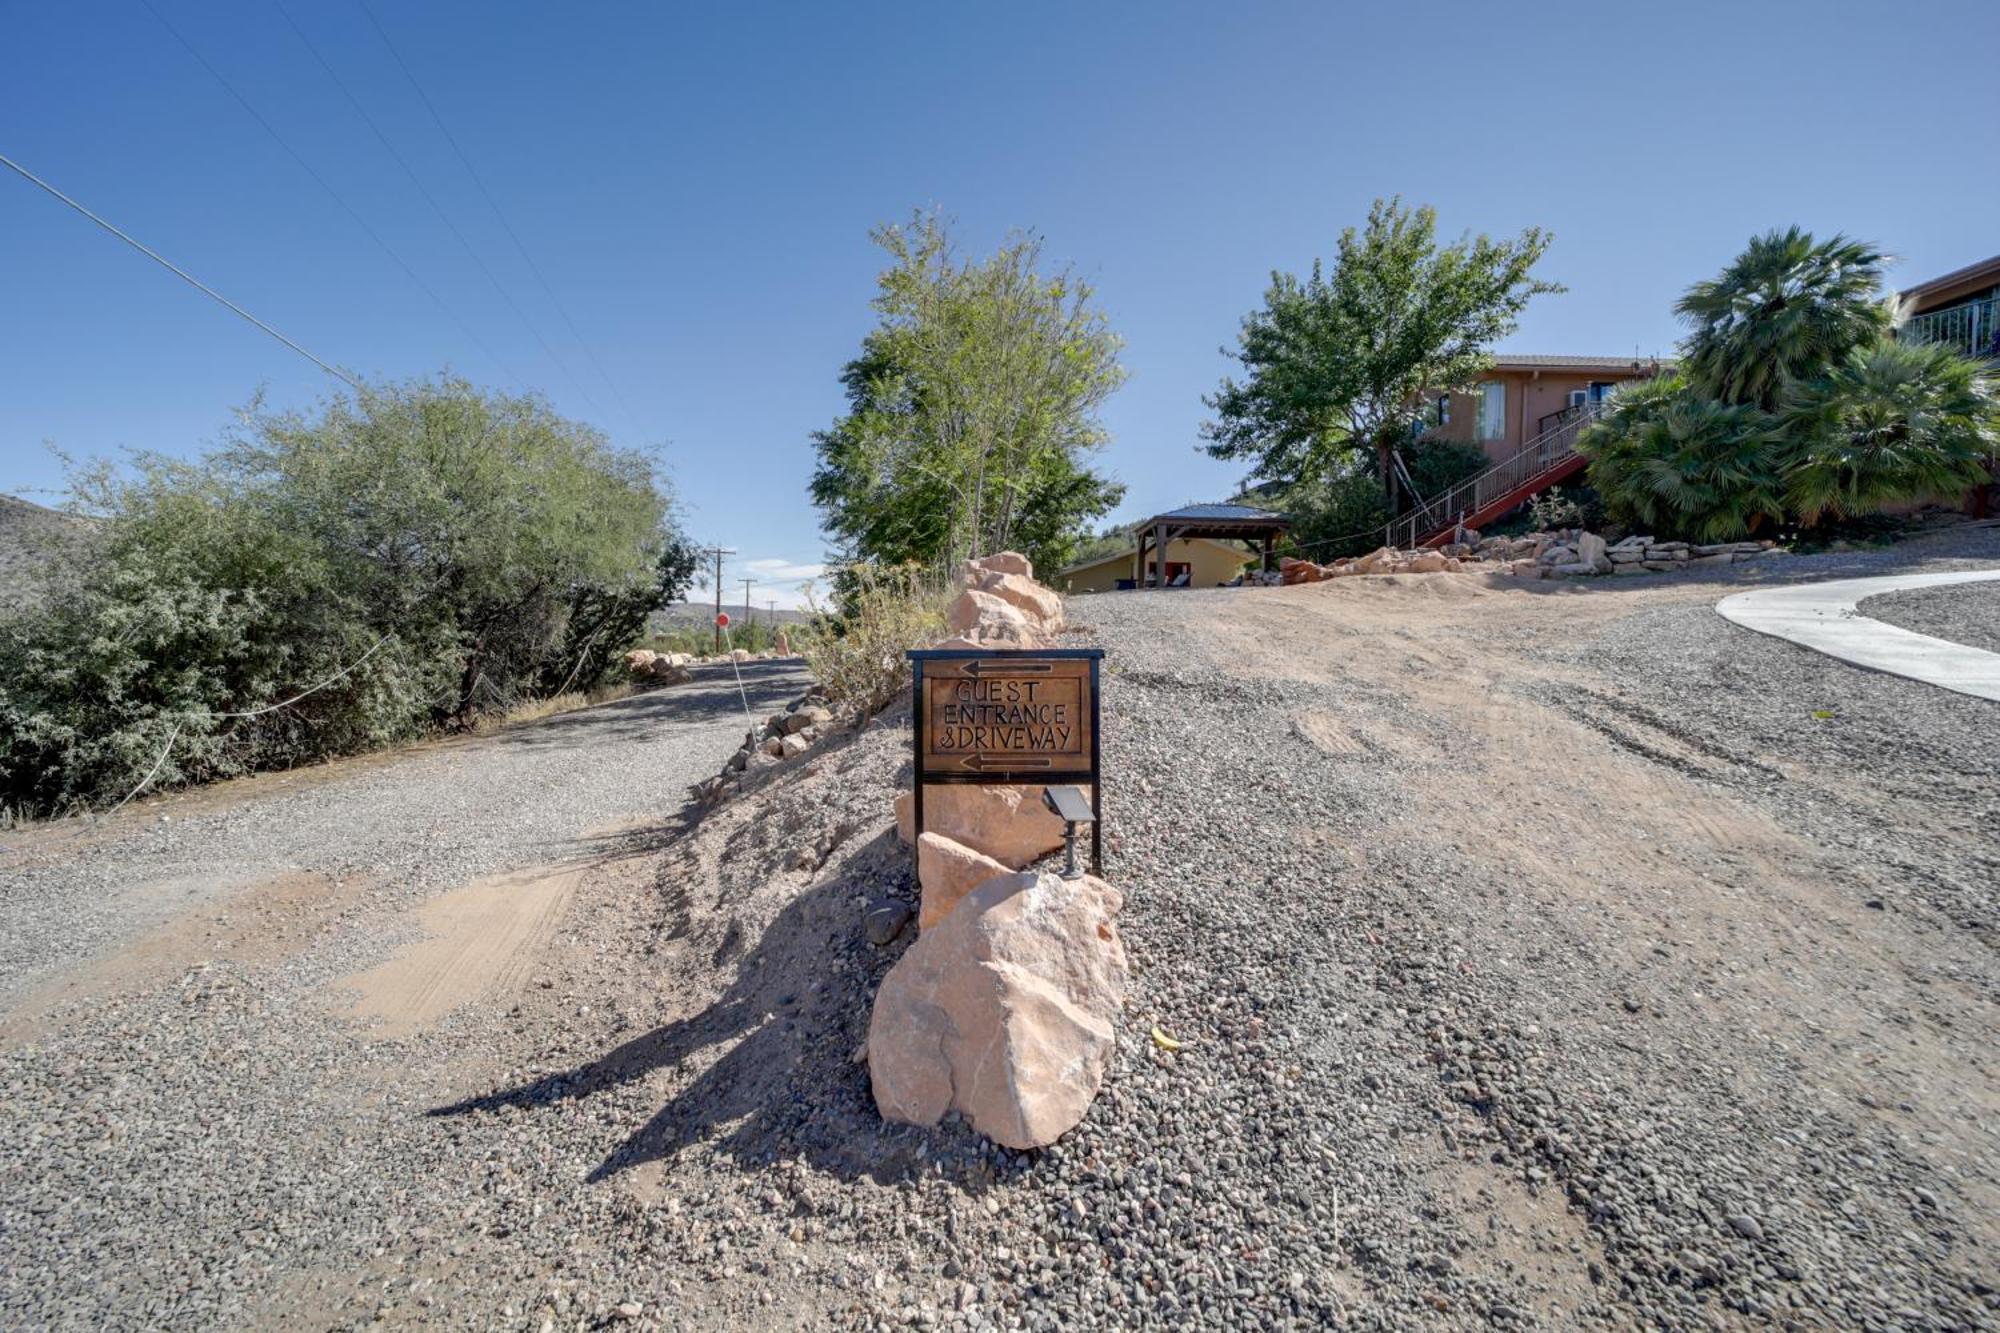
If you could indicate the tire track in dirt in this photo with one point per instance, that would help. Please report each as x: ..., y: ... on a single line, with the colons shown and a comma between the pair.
x: 479, y: 941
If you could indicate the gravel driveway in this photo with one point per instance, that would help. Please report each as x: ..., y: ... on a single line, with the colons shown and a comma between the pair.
x: 198, y: 1125
x: 1540, y: 955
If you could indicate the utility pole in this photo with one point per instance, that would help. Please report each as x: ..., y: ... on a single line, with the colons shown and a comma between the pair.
x: 749, y: 616
x: 718, y: 552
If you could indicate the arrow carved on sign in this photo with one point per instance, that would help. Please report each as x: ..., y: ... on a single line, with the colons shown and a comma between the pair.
x: 977, y: 668
x: 979, y: 763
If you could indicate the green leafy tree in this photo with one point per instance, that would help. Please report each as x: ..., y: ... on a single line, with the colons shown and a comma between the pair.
x: 431, y: 550
x: 1668, y: 460
x: 1783, y: 311
x: 1341, y: 361
x: 1890, y: 423
x: 971, y: 409
x: 1346, y: 512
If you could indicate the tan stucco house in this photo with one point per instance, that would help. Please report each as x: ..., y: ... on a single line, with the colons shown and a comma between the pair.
x: 1203, y: 561
x: 1525, y: 397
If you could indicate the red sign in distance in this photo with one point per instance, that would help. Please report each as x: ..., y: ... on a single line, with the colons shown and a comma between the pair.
x: 723, y: 620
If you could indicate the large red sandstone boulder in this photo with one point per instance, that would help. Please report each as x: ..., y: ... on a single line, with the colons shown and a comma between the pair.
x: 976, y: 612
x: 948, y: 871
x: 1375, y: 560
x: 1009, y: 824
x: 1036, y: 602
x: 981, y: 620
x: 1003, y: 1012
x: 1000, y: 562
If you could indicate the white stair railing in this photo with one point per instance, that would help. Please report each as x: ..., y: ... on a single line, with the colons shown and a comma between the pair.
x: 1547, y: 451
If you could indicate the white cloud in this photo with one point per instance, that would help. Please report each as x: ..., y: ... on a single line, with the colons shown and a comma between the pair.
x: 776, y: 570
x: 783, y: 581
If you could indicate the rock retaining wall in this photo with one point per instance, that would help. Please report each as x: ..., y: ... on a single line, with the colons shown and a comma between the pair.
x: 1565, y: 553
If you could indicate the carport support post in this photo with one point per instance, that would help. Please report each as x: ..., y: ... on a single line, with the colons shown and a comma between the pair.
x: 1160, y: 557
x: 1267, y: 553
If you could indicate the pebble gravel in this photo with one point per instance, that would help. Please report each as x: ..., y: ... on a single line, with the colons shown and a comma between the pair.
x: 1415, y: 1085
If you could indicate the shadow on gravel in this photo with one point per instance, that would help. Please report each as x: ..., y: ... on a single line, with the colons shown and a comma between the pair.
x: 786, y: 1084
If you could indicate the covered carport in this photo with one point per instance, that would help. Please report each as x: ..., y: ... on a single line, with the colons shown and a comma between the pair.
x: 1219, y: 522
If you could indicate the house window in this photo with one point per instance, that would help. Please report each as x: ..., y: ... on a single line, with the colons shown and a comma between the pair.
x: 1444, y: 409
x: 1492, y: 410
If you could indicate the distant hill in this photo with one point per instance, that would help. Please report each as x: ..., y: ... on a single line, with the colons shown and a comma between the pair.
x: 27, y: 531
x: 683, y: 614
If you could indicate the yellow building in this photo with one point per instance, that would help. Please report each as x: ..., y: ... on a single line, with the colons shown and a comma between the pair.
x: 1204, y: 563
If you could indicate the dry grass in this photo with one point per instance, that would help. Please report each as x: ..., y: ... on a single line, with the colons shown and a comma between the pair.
x: 534, y: 710
x: 857, y: 658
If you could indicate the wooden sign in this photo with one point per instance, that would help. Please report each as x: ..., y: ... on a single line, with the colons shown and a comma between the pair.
x: 1006, y: 716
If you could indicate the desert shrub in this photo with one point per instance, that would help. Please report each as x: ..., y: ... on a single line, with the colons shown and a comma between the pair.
x: 1554, y: 509
x: 857, y: 654
x: 452, y: 551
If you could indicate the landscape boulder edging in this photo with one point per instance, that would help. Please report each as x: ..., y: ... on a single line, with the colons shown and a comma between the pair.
x: 1004, y: 1011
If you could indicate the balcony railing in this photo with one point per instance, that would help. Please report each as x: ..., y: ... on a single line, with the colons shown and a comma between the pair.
x: 1972, y: 328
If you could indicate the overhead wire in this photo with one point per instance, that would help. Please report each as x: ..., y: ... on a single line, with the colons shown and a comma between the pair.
x: 183, y: 274
x: 436, y: 207
x: 336, y: 196
x: 465, y: 160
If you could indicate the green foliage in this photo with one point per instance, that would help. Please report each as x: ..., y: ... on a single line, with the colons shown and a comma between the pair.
x: 1346, y: 512
x: 1554, y: 509
x: 1782, y: 312
x: 1340, y: 362
x: 1668, y: 461
x: 971, y: 409
x: 759, y: 635
x: 471, y: 547
x: 1110, y: 541
x: 1793, y: 403
x: 1891, y: 423
x: 857, y: 656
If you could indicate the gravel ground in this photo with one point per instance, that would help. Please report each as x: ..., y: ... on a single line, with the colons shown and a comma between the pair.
x: 1543, y: 956
x: 197, y: 1135
x: 1968, y: 613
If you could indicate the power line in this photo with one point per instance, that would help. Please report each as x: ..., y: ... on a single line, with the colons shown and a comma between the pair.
x: 718, y: 552
x: 335, y: 195
x: 507, y: 226
x: 436, y: 207
x: 183, y: 275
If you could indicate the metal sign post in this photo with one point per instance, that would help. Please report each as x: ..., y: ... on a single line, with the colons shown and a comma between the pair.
x: 1003, y: 716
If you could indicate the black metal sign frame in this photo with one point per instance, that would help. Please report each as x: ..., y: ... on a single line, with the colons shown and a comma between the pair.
x: 1003, y: 657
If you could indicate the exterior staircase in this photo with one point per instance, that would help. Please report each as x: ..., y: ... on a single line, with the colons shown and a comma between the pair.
x: 1544, y: 461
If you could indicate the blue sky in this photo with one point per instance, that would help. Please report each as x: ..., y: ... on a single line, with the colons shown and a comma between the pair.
x: 697, y: 184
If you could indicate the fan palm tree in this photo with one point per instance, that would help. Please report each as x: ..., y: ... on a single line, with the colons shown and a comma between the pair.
x: 1784, y: 310
x: 1891, y: 423
x: 1668, y: 460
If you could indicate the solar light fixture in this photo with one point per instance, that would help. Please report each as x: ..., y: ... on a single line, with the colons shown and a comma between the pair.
x: 1068, y: 805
